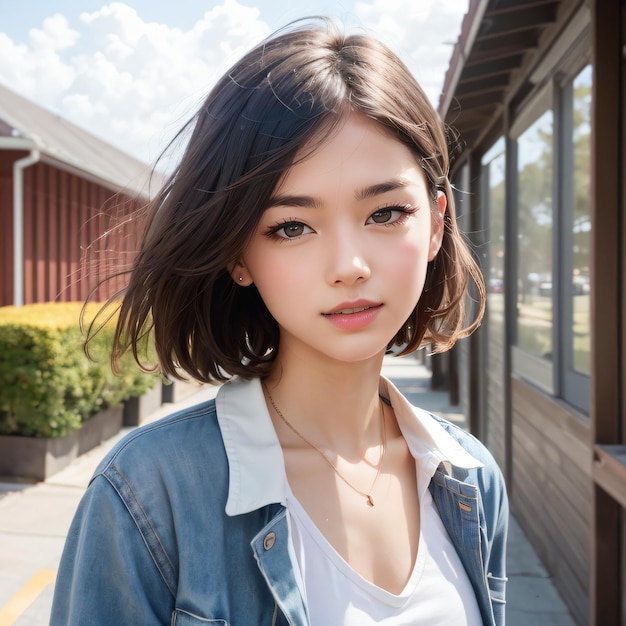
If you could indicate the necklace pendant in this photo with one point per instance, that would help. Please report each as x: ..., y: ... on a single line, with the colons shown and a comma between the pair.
x: 370, y: 499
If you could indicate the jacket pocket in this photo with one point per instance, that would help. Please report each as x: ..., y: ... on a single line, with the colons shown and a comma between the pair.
x: 183, y: 618
x: 497, y: 588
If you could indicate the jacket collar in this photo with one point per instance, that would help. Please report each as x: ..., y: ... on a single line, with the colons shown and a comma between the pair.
x: 255, y: 459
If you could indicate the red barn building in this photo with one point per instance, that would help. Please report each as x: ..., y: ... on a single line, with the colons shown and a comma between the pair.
x: 61, y: 190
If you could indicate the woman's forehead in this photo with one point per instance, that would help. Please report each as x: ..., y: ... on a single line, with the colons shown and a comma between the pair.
x: 358, y: 154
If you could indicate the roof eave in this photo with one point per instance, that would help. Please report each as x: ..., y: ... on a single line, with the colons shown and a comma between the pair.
x: 24, y: 142
x: 469, y: 30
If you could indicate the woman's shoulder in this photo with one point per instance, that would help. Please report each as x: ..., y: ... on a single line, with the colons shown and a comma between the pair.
x: 185, y: 439
x: 465, y: 438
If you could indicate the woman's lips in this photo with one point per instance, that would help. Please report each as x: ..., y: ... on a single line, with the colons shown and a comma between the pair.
x: 355, y: 316
x: 354, y: 306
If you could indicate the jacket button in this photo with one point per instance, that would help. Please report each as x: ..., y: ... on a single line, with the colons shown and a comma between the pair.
x: 269, y: 541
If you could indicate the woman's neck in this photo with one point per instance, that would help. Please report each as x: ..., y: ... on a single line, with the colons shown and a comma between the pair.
x: 334, y: 405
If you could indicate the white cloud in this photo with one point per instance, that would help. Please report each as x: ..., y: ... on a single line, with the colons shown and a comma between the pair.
x: 129, y: 81
x: 56, y: 34
x: 36, y: 69
x: 148, y: 76
x: 422, y: 33
x: 134, y: 82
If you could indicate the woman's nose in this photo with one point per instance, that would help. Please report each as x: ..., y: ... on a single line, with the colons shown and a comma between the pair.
x: 347, y: 261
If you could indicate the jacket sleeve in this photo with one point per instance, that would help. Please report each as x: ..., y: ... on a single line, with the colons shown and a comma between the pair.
x: 107, y: 574
x: 497, y: 523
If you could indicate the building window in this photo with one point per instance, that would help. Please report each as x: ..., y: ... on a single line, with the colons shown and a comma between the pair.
x: 534, y: 320
x: 552, y: 227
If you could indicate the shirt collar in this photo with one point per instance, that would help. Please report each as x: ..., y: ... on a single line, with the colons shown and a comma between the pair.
x: 255, y: 459
x: 425, y: 436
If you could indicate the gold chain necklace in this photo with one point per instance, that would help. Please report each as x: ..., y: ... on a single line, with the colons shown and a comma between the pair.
x: 369, y: 498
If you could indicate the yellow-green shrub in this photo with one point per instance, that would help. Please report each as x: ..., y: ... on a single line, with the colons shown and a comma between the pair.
x: 47, y: 384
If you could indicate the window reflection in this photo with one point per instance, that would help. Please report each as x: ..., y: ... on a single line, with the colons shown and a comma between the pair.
x: 534, y: 254
x: 494, y: 172
x: 581, y: 221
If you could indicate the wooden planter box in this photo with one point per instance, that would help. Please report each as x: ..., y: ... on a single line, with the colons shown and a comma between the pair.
x: 39, y: 458
x: 138, y: 409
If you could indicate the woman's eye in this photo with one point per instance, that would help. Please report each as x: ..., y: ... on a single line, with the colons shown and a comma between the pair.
x: 381, y: 217
x: 291, y: 230
x: 388, y: 215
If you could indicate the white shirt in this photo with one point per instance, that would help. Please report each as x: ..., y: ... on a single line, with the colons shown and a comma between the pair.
x: 438, y: 592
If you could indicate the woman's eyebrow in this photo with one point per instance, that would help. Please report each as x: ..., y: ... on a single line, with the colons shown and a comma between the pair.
x: 360, y: 194
x: 380, y: 188
x: 294, y: 201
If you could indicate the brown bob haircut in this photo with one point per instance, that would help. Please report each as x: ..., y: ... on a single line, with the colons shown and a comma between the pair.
x: 293, y: 88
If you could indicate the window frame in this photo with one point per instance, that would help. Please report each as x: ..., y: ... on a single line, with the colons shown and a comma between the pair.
x: 574, y: 385
x: 556, y: 377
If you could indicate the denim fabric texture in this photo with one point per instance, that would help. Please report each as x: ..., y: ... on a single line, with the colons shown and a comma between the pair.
x: 152, y: 542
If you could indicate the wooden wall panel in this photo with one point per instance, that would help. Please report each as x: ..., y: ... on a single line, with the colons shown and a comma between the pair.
x: 552, y: 492
x: 40, y: 252
x: 496, y: 410
x: 74, y: 228
x: 64, y: 238
x: 53, y: 235
x: 6, y: 241
x: 84, y: 212
x: 555, y: 556
x: 90, y: 268
x: 99, y: 247
x: 29, y: 231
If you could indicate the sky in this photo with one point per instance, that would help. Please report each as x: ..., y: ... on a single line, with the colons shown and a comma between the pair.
x: 133, y: 72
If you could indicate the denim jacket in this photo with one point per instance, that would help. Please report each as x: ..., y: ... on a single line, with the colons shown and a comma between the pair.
x: 170, y: 531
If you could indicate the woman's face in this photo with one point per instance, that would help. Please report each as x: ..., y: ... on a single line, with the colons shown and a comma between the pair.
x: 340, y: 255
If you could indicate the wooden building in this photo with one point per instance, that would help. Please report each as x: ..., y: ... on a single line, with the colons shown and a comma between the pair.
x: 61, y: 190
x: 536, y: 90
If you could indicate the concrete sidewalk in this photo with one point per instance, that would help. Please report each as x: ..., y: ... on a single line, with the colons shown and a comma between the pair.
x: 34, y: 520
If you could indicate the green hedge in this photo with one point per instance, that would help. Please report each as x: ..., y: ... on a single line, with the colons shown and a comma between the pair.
x: 47, y: 384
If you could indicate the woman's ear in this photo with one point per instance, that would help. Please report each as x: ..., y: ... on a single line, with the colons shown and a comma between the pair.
x: 436, y: 225
x: 239, y: 273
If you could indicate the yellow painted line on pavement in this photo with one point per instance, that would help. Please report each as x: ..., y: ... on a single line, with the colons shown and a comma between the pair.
x: 26, y: 596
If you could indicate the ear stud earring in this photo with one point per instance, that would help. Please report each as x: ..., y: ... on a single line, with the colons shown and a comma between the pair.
x: 241, y: 279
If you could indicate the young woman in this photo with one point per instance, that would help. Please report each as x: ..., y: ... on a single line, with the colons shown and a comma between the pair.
x: 308, y: 230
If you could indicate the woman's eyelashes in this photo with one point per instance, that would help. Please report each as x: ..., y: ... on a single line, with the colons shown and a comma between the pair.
x: 392, y: 215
